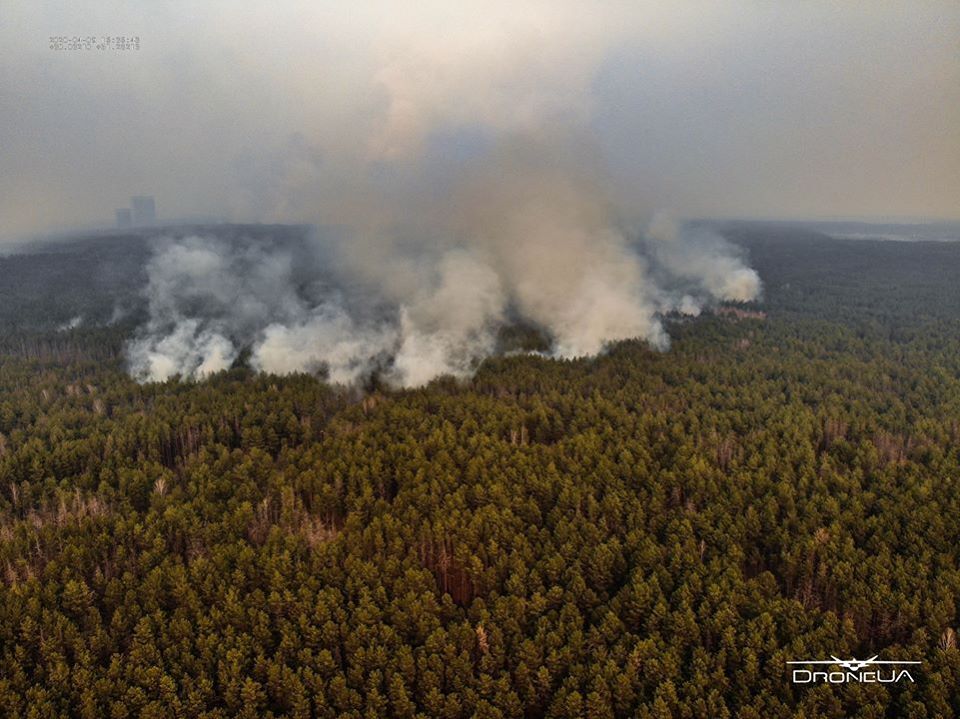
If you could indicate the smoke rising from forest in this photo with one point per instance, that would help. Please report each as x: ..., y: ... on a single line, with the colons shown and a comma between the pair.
x: 424, y: 277
x: 556, y: 263
x: 473, y: 193
x: 490, y: 161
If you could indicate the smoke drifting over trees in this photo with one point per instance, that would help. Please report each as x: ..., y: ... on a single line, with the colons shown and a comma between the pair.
x: 470, y: 197
x: 490, y: 161
x: 553, y: 264
x: 525, y: 227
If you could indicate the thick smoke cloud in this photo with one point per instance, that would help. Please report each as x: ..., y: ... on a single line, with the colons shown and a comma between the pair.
x: 210, y: 299
x: 461, y: 160
x: 204, y: 295
x: 552, y: 260
x: 541, y: 210
x: 443, y: 328
x: 700, y: 256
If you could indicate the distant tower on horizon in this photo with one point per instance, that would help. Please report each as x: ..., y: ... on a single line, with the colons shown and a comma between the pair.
x: 144, y: 210
x: 124, y: 218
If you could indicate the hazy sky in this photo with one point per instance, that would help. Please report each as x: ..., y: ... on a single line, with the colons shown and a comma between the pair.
x: 290, y: 111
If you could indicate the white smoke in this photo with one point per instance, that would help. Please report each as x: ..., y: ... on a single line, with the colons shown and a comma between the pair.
x: 547, y: 256
x: 202, y: 295
x: 70, y: 324
x: 451, y: 323
x: 540, y: 212
x: 187, y: 348
x: 208, y: 299
x: 327, y: 340
x: 702, y: 259
x: 453, y: 237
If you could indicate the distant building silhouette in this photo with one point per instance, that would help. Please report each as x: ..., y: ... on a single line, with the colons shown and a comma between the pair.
x: 144, y: 210
x: 124, y: 218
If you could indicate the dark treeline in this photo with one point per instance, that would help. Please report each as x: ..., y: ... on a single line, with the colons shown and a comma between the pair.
x: 639, y: 535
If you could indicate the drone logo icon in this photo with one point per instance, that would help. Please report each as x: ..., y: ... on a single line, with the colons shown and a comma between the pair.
x: 867, y: 671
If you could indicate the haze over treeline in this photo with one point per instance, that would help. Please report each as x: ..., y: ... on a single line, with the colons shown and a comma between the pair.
x: 552, y: 263
x: 318, y: 111
x: 487, y: 162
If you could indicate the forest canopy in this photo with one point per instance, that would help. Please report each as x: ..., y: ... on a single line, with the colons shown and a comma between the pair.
x: 641, y: 534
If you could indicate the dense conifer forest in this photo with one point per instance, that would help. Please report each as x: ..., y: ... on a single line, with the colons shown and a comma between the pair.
x: 643, y: 534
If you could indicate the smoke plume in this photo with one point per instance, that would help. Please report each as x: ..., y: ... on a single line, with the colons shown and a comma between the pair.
x: 471, y: 196
x: 703, y: 260
x: 546, y: 255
